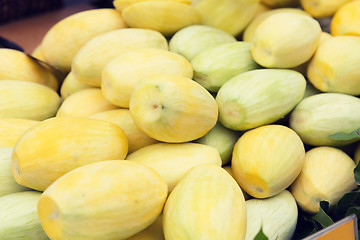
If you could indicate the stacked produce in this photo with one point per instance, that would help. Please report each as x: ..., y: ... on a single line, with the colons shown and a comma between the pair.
x: 182, y: 119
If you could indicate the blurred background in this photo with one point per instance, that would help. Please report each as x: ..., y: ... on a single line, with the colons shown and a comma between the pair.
x: 25, y: 22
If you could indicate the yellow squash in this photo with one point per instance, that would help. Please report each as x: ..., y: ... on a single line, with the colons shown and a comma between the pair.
x: 106, y: 200
x: 173, y: 161
x: 58, y: 145
x: 120, y: 75
x: 267, y: 160
x: 11, y: 130
x: 66, y: 37
x: 206, y: 205
x: 94, y: 55
x: 19, y: 99
x: 137, y: 139
x: 85, y: 103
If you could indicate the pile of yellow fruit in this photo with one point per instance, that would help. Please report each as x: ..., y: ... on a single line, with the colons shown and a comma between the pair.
x: 180, y: 120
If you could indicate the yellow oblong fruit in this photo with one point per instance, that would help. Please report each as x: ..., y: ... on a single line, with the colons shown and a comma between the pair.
x: 137, y: 139
x: 326, y: 176
x: 38, y: 54
x: 58, y: 145
x: 11, y: 130
x: 322, y: 8
x: 231, y: 16
x: 228, y: 169
x: 334, y: 66
x: 276, y: 216
x: 172, y: 108
x: 95, y: 54
x: 152, y: 232
x: 206, y: 204
x: 71, y: 85
x: 346, y: 19
x: 19, y: 99
x: 316, y: 119
x: 285, y: 40
x: 106, y: 200
x: 122, y: 4
x: 166, y: 17
x: 85, y: 103
x: 173, y: 161
x: 66, y: 37
x: 8, y: 185
x: 121, y: 74
x: 16, y: 65
x: 250, y: 29
x: 267, y: 160
x: 19, y: 218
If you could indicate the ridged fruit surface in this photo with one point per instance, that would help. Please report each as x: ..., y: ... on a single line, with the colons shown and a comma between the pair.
x: 172, y: 108
x: 85, y: 103
x: 112, y: 199
x: 16, y: 65
x: 58, y: 145
x: 326, y: 176
x: 137, y: 139
x: 61, y: 43
x: 71, y: 85
x: 276, y: 216
x: 259, y: 97
x: 267, y: 160
x: 173, y: 161
x: 317, y: 118
x: 19, y: 99
x: 19, y: 219
x: 11, y: 130
x: 120, y: 76
x: 8, y: 184
x: 95, y: 54
x: 206, y: 205
x: 167, y: 17
x: 329, y: 69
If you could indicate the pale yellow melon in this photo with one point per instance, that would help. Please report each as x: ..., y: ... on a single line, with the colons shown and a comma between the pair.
x: 122, y: 4
x: 173, y: 161
x: 71, y: 85
x: 137, y: 139
x: 322, y: 8
x: 346, y: 20
x: 206, y: 204
x: 152, y: 232
x: 85, y: 103
x: 11, y: 130
x: 229, y: 170
x: 66, y: 37
x: 19, y: 99
x: 58, y: 145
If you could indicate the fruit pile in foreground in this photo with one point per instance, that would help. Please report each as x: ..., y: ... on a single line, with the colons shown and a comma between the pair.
x: 181, y: 119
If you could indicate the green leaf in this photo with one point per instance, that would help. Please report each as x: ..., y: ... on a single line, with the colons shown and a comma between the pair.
x: 346, y: 136
x: 261, y: 236
x: 357, y: 173
x: 349, y: 200
x: 321, y: 217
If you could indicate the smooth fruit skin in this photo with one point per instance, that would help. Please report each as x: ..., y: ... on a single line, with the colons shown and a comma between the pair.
x: 137, y: 139
x: 276, y: 216
x: 120, y: 75
x: 152, y: 232
x: 8, y: 184
x: 11, y: 130
x: 173, y: 161
x: 107, y: 200
x: 85, y: 103
x: 206, y: 205
x: 61, y: 43
x: 326, y: 176
x: 267, y: 160
x: 91, y: 59
x: 71, y: 85
x: 120, y: 5
x: 285, y: 40
x: 28, y: 100
x: 316, y: 118
x: 172, y: 108
x: 228, y: 169
x: 19, y: 219
x: 58, y: 145
x: 16, y: 65
x: 334, y: 66
x: 322, y: 8
x: 167, y: 17
x: 346, y: 20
